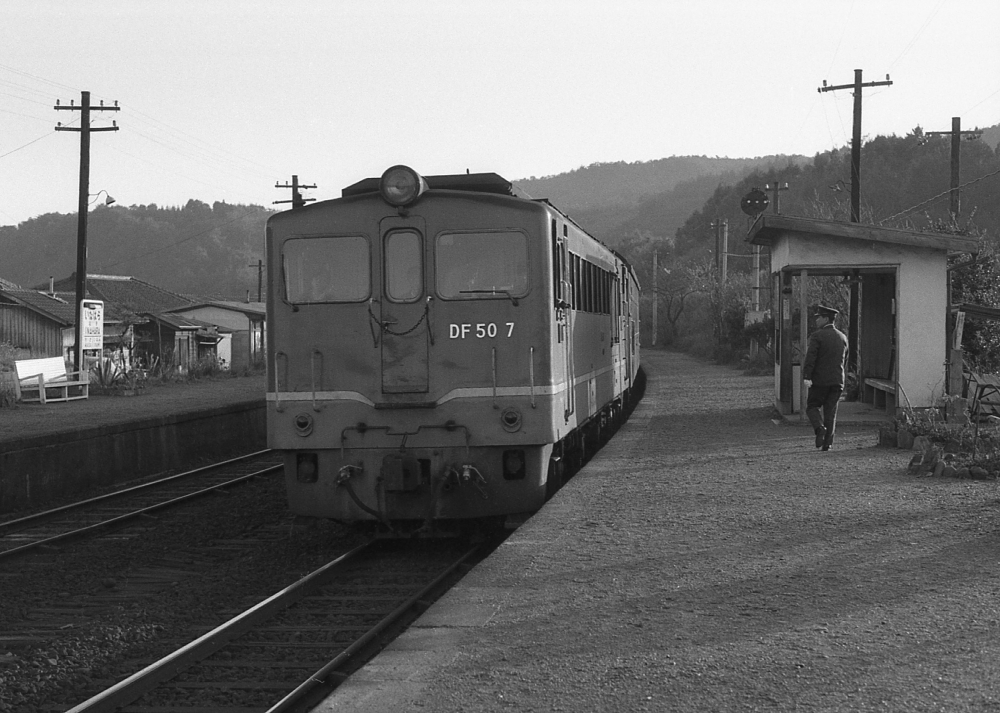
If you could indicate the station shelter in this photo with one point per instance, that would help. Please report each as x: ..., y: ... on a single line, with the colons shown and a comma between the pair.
x: 899, y: 286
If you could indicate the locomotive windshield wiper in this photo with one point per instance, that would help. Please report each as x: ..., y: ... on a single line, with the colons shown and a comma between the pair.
x: 512, y: 298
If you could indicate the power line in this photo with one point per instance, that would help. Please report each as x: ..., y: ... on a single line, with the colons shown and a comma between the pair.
x: 27, y: 144
x: 918, y: 33
x: 918, y: 206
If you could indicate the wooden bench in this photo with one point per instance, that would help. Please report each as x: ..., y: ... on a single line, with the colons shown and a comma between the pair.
x: 46, y: 380
x: 984, y: 392
x: 881, y: 393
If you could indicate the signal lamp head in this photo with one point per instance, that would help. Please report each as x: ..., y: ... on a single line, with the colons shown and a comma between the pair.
x: 401, y: 185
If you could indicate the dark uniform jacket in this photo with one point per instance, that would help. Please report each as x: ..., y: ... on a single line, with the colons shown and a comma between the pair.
x: 825, y: 357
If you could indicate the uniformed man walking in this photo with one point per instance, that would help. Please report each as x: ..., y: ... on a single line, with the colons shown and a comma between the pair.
x: 823, y: 371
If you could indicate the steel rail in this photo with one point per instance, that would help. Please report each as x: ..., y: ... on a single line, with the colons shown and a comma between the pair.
x: 128, y: 690
x: 47, y: 514
x: 119, y: 519
x: 343, y: 658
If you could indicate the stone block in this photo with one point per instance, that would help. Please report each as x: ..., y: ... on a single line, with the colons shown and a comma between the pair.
x: 904, y: 439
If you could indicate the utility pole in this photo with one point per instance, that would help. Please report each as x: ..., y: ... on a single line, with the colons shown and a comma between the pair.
x: 852, y: 327
x: 656, y: 295
x: 953, y: 379
x: 81, y: 232
x: 260, y: 278
x: 721, y: 227
x: 776, y: 189
x: 856, y: 139
x: 956, y: 134
x: 297, y: 200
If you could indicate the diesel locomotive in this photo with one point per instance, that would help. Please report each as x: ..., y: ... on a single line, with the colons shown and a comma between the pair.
x: 441, y: 349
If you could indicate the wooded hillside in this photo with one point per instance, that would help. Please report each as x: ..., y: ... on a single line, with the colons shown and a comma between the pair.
x: 668, y: 204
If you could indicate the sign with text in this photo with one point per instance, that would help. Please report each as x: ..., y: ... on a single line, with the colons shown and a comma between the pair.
x: 92, y: 324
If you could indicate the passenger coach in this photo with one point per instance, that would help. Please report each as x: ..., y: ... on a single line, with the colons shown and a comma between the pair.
x: 440, y: 348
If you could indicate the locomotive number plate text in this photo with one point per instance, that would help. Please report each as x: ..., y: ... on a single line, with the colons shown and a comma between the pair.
x: 483, y: 330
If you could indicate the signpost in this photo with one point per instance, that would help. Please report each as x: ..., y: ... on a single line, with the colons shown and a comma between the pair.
x: 91, y: 327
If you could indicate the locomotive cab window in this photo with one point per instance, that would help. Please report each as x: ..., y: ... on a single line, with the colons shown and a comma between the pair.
x: 475, y: 265
x: 326, y: 269
x: 404, y: 266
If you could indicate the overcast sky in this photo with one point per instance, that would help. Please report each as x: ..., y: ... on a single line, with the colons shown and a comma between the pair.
x: 221, y: 99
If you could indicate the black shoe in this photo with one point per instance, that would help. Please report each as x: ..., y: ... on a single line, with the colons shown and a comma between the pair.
x: 820, y: 437
x: 826, y: 446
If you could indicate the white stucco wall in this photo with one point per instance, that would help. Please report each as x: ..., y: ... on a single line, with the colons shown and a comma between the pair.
x: 921, y: 300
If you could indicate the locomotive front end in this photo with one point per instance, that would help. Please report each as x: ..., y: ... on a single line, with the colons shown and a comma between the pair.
x: 408, y: 339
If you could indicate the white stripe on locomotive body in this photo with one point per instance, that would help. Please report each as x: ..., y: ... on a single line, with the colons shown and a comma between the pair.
x: 464, y: 393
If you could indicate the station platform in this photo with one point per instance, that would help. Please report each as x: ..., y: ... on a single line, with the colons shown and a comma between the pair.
x: 56, y: 451
x: 710, y: 558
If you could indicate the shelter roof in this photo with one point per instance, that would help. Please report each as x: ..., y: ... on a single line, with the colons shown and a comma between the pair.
x: 769, y: 228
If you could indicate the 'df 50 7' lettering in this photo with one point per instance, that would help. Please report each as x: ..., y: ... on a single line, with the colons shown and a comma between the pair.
x: 479, y: 331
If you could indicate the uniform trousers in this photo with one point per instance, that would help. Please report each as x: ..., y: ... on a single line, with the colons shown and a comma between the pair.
x: 821, y: 409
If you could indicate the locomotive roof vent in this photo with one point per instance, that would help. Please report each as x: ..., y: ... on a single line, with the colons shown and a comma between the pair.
x: 401, y: 185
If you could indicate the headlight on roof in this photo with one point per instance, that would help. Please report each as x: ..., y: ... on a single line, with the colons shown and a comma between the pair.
x: 401, y: 185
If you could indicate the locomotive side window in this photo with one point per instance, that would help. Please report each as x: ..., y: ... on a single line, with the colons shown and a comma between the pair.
x: 470, y: 265
x: 328, y: 269
x: 404, y: 266
x: 577, y: 284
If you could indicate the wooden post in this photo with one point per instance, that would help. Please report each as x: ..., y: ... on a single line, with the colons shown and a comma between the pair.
x: 656, y: 296
x: 803, y: 337
x: 786, y: 392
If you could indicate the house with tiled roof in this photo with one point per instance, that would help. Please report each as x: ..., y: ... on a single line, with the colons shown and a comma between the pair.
x: 37, y: 324
x: 241, y: 325
x: 127, y: 293
x: 43, y: 324
x: 138, y: 316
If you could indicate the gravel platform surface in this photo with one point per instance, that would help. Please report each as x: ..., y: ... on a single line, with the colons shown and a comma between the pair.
x: 168, y: 399
x: 709, y: 559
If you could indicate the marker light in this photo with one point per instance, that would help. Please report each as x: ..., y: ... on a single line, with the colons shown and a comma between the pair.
x: 401, y: 185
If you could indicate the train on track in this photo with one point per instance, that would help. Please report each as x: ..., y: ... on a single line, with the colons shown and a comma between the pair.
x: 441, y: 349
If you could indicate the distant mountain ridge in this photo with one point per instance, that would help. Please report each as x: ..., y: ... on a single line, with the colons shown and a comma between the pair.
x: 612, y: 200
x: 601, y: 185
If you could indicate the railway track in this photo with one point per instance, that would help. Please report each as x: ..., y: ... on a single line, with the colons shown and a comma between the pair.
x: 99, y: 514
x: 295, y: 646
